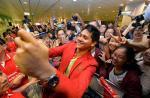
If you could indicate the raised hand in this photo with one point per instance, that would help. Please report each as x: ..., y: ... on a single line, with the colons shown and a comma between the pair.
x: 31, y: 56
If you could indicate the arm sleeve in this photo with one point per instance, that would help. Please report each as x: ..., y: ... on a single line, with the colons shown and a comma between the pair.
x: 57, y: 51
x: 134, y: 88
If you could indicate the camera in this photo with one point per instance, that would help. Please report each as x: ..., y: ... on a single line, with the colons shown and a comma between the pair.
x: 145, y: 17
x: 54, y: 19
x: 138, y: 20
x: 26, y: 20
x: 70, y: 26
x: 75, y: 18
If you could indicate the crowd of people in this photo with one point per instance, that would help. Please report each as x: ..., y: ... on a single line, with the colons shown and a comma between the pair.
x: 58, y: 60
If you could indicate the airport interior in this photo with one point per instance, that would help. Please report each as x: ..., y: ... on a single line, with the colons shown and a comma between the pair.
x: 74, y: 48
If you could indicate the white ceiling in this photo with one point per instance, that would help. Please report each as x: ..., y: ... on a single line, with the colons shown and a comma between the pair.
x: 88, y: 9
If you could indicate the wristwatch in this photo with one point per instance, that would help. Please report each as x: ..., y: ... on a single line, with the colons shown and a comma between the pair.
x: 53, y: 80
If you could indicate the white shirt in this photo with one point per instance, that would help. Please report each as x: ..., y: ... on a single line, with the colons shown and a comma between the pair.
x: 116, y: 79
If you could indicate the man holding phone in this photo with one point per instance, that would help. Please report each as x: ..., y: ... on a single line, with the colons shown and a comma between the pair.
x: 77, y: 65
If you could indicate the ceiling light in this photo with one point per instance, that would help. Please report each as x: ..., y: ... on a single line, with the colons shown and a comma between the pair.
x: 26, y: 13
x: 99, y: 7
x: 131, y: 0
x: 74, y: 0
x: 25, y: 2
x: 113, y: 11
x: 61, y: 7
x: 122, y: 4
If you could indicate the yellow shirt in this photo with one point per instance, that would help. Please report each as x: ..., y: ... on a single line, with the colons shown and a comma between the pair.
x: 67, y: 72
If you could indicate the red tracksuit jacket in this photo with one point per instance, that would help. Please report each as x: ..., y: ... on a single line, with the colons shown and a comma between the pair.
x: 80, y: 75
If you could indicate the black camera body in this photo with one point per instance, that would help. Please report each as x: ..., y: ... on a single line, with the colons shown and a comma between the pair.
x: 138, y: 20
x: 70, y: 26
x: 75, y: 18
x: 137, y: 24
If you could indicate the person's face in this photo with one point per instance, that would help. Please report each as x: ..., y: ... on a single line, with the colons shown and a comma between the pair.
x: 4, y: 85
x: 50, y: 35
x: 138, y: 34
x: 102, y: 28
x: 2, y: 48
x: 119, y: 57
x: 146, y: 56
x: 108, y: 32
x: 112, y: 45
x: 8, y: 37
x: 61, y: 34
x: 84, y: 40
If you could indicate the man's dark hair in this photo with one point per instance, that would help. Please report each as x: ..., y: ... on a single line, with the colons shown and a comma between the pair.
x: 1, y: 73
x: 95, y: 32
x: 5, y: 34
x: 2, y: 42
x: 137, y: 28
x: 8, y: 30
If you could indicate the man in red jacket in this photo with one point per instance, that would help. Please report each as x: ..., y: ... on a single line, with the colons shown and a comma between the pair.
x: 77, y: 65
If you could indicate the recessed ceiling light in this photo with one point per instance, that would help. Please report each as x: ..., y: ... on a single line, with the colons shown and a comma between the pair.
x: 113, y: 11
x: 130, y: 0
x: 61, y: 7
x: 74, y: 0
x: 25, y: 2
x: 26, y: 13
x: 121, y: 4
x: 99, y: 7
